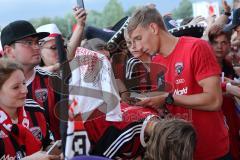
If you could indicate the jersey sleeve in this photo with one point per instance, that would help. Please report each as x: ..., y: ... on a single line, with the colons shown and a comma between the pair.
x: 38, y: 119
x: 203, y: 61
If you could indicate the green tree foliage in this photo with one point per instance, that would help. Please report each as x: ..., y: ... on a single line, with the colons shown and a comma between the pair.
x: 40, y: 21
x: 64, y: 24
x: 94, y: 18
x: 130, y: 11
x: 112, y: 12
x: 184, y: 10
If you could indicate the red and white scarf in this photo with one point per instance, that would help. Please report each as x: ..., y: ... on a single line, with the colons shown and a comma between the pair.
x: 77, y: 141
x: 6, y: 121
x: 20, y: 132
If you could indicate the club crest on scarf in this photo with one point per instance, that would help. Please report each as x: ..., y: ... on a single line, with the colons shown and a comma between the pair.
x: 41, y: 94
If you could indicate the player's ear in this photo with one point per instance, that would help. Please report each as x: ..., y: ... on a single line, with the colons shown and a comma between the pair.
x: 154, y: 28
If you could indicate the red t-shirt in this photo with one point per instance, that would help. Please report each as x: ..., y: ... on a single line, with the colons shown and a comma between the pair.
x: 193, y: 60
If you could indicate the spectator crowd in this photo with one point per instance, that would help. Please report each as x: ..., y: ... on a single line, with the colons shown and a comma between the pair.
x: 144, y: 88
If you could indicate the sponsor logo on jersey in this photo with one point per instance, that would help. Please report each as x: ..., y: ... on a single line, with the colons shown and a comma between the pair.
x: 180, y: 81
x: 181, y: 91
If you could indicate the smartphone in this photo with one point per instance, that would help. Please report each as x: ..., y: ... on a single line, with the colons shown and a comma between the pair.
x: 133, y: 100
x: 80, y: 3
x: 56, y: 148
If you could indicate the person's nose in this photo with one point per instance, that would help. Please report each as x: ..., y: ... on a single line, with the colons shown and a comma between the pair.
x: 138, y: 47
x: 24, y: 89
x: 219, y: 46
x: 132, y: 47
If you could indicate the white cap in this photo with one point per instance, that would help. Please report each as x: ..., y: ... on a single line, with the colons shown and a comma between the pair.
x: 51, y: 28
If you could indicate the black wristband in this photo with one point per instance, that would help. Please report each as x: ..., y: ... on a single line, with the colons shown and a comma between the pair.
x: 227, y: 14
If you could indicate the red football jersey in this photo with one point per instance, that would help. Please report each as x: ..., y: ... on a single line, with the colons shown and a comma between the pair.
x: 41, y: 90
x: 118, y: 139
x: 27, y: 140
x: 193, y: 60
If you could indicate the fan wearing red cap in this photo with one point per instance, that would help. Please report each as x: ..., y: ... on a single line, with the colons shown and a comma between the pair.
x: 49, y: 56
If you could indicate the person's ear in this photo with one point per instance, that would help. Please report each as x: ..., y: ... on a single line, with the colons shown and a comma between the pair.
x: 8, y: 51
x: 154, y: 28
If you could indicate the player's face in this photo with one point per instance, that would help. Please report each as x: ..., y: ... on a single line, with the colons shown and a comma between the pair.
x: 143, y: 40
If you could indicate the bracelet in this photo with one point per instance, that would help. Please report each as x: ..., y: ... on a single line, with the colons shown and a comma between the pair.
x: 227, y: 14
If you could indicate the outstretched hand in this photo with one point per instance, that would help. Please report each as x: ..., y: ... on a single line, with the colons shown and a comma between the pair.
x: 226, y: 6
x: 80, y: 16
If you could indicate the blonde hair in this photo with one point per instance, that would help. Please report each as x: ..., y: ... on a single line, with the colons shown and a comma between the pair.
x: 172, y: 139
x: 144, y: 16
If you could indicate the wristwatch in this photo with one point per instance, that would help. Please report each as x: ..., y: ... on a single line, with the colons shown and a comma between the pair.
x: 169, y: 99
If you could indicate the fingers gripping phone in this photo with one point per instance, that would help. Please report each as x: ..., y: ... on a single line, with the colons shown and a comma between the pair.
x: 80, y: 3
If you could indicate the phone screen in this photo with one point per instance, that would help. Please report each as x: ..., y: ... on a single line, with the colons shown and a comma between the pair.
x: 80, y: 3
x: 133, y: 100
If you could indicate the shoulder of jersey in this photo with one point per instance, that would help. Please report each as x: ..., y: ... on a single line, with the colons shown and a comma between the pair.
x: 30, y: 104
x: 132, y: 62
x: 42, y: 72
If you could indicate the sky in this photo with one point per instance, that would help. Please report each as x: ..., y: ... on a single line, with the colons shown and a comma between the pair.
x: 11, y: 10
